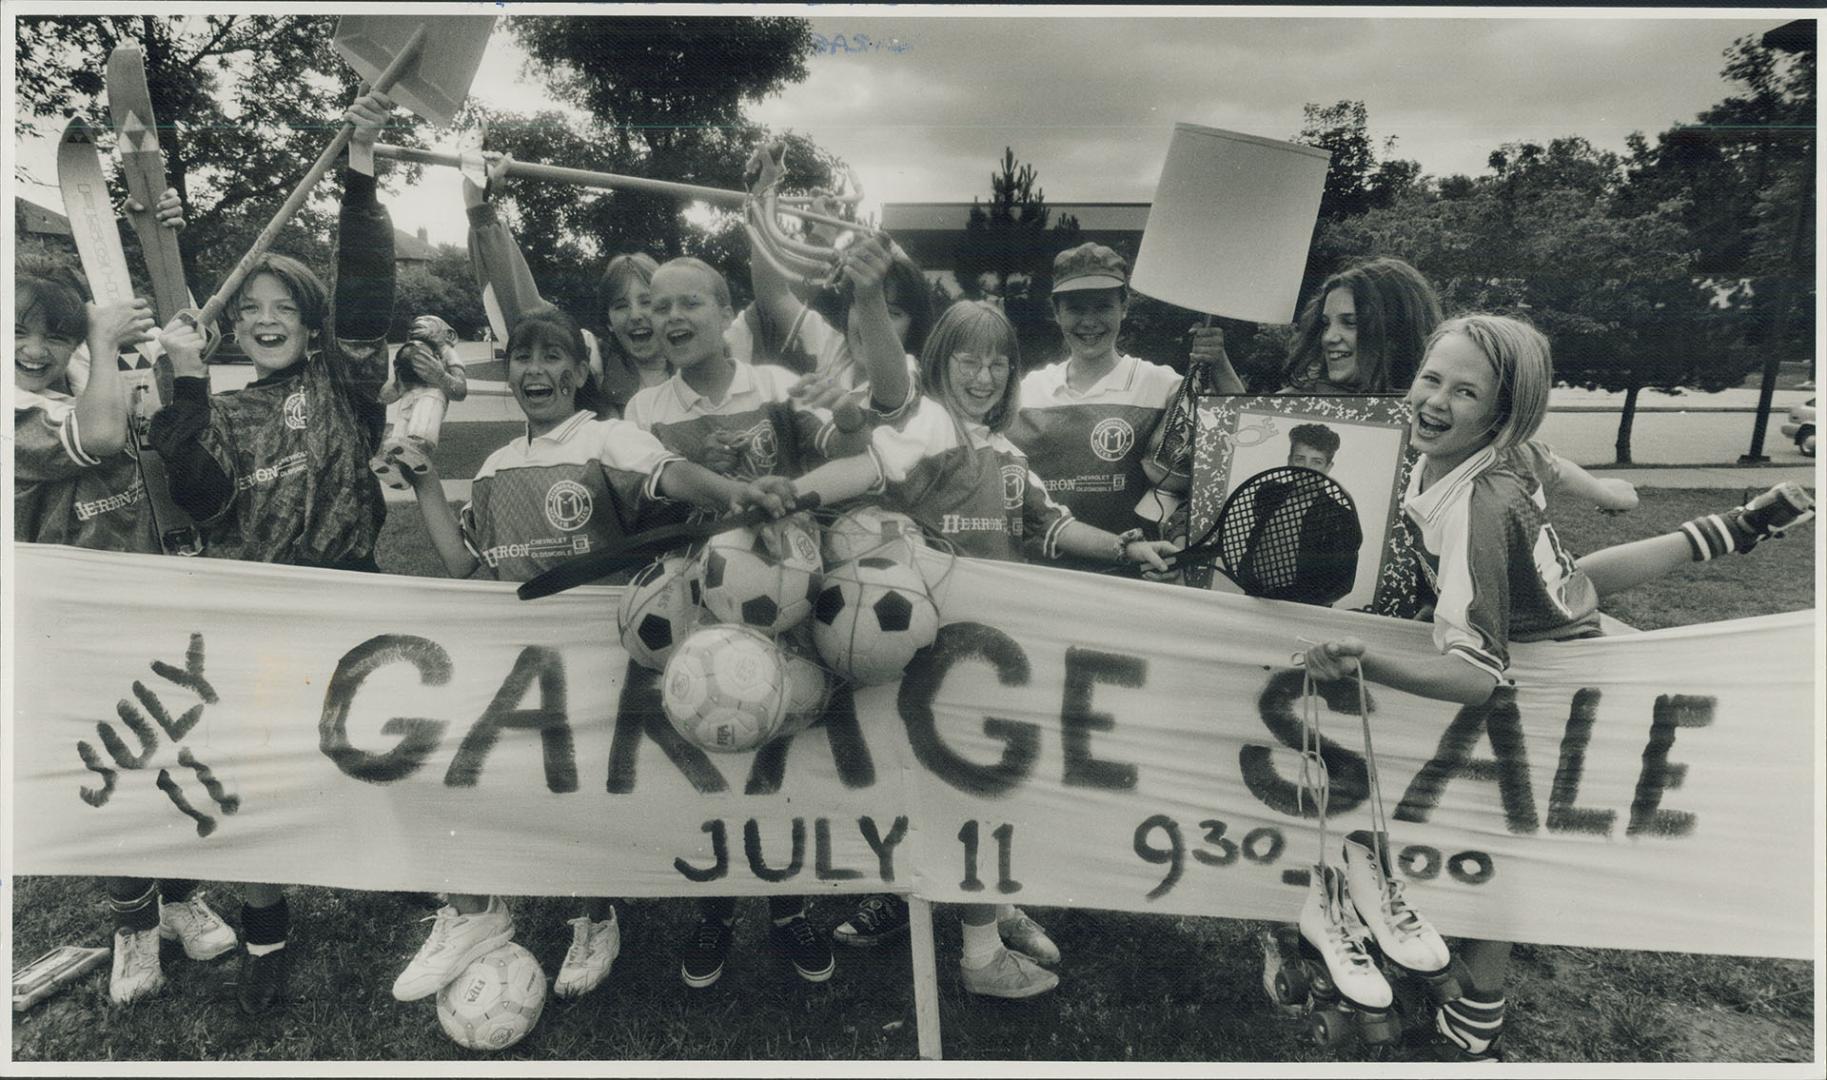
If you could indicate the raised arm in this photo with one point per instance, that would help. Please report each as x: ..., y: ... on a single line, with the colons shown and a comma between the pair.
x: 508, y: 289
x: 363, y: 299
x: 102, y: 409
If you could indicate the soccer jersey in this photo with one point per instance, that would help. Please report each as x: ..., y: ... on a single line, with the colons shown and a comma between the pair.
x: 966, y: 484
x: 756, y: 406
x: 278, y: 470
x: 579, y: 488
x: 1090, y: 445
x: 1496, y: 566
x: 62, y: 494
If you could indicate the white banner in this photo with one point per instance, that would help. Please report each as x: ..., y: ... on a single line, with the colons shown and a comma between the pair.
x: 1069, y: 740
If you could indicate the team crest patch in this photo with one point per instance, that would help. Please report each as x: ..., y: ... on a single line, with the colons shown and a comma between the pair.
x: 1112, y: 438
x: 568, y: 505
x: 296, y: 414
x: 1014, y: 486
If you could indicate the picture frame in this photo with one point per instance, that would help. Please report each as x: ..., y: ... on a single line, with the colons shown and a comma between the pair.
x: 1236, y: 436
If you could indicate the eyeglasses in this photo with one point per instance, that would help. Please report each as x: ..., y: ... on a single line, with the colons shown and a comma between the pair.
x: 970, y: 366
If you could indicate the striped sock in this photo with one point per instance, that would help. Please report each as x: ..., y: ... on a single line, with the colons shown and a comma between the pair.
x: 136, y: 913
x: 1473, y: 1025
x: 1711, y: 536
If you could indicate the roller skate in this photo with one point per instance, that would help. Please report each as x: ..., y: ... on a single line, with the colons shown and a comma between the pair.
x: 1348, y: 998
x: 1284, y: 973
x: 1773, y: 513
x: 1402, y: 936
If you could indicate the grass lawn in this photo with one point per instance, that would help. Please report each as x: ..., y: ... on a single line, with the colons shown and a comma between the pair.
x: 1135, y: 987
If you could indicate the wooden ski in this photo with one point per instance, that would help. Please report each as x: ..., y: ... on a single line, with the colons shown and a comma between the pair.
x: 104, y: 263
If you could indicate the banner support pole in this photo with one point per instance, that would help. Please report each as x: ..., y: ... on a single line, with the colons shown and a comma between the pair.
x: 925, y: 978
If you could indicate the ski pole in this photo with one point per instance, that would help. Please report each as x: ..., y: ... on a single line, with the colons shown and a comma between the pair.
x: 212, y: 310
x: 592, y: 179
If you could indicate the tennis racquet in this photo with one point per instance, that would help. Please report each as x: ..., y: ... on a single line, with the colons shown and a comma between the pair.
x: 1287, y: 533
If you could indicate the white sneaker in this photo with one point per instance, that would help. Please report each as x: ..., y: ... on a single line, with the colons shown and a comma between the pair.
x: 594, y: 947
x: 204, y: 935
x: 1009, y: 975
x: 1405, y: 937
x: 1024, y: 935
x: 455, y: 942
x: 136, y: 971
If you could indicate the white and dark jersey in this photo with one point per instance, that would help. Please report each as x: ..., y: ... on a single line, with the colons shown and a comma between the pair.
x: 1496, y: 566
x: 539, y: 501
x: 964, y: 483
x: 1090, y: 446
x: 776, y: 433
x: 63, y: 494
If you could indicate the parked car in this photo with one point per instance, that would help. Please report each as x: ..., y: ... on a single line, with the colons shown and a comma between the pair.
x: 1801, y: 426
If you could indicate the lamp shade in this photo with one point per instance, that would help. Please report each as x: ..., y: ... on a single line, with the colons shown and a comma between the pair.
x: 1231, y: 223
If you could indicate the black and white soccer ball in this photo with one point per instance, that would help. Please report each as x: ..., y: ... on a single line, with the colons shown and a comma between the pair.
x: 659, y: 608
x: 871, y: 617
x: 495, y: 1002
x: 872, y: 531
x: 763, y: 577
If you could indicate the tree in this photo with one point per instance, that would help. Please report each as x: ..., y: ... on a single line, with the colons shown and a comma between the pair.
x: 1007, y: 253
x: 1547, y: 236
x: 446, y: 287
x: 660, y: 97
x: 243, y: 102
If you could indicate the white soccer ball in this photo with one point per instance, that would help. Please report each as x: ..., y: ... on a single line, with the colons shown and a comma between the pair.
x: 725, y: 688
x: 659, y: 608
x: 764, y: 577
x: 871, y: 617
x: 808, y: 691
x: 872, y: 531
x: 495, y: 1002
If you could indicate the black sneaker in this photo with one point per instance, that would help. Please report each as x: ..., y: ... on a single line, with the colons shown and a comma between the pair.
x: 710, y: 944
x: 261, y: 985
x: 809, y: 951
x: 878, y: 918
x: 1770, y: 514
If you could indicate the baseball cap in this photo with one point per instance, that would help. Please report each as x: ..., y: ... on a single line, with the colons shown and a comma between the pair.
x: 1089, y: 266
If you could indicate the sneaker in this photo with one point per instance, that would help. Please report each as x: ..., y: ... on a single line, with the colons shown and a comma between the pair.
x: 262, y: 983
x: 456, y: 941
x: 1025, y: 936
x: 809, y: 951
x: 878, y: 918
x: 710, y: 944
x: 1773, y: 513
x: 194, y: 923
x: 594, y: 947
x: 136, y: 972
x: 1009, y: 975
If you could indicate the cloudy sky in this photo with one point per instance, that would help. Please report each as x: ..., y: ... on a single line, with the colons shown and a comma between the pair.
x: 1090, y: 99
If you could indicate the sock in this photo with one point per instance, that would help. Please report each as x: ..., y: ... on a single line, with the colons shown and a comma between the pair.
x: 1712, y: 536
x: 176, y: 890
x: 265, y: 928
x: 719, y: 908
x: 981, y: 944
x: 784, y: 909
x: 1473, y: 1024
x: 136, y: 913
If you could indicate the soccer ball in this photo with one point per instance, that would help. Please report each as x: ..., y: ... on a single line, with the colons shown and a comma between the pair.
x: 808, y: 690
x: 762, y: 577
x: 659, y: 607
x: 871, y: 617
x: 725, y: 689
x: 495, y: 1002
x: 872, y: 531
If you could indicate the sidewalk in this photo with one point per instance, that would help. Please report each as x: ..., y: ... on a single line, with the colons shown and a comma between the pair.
x: 1714, y: 476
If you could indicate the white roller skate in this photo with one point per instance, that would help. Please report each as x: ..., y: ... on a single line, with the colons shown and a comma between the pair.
x: 1403, y: 937
x: 1348, y: 993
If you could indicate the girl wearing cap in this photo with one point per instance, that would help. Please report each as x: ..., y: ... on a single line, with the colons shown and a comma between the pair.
x: 1085, y: 422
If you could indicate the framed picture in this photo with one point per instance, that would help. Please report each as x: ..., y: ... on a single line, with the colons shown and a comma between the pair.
x: 1360, y: 442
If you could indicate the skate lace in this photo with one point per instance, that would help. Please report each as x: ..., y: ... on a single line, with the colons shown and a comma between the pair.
x: 1402, y: 919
